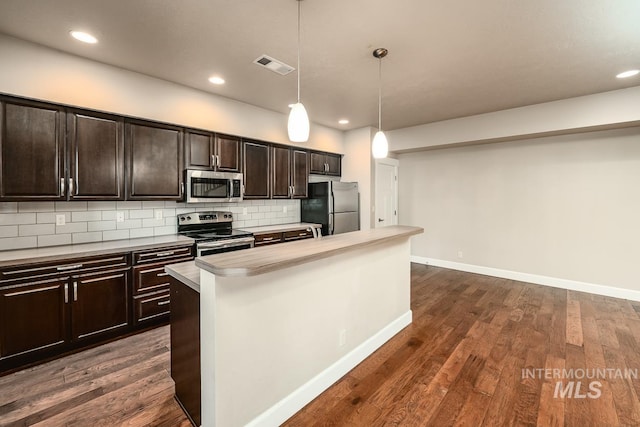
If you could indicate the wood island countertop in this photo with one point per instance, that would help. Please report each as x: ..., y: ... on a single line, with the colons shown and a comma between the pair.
x: 260, y: 260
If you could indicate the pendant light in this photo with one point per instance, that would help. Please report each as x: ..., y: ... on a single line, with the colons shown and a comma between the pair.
x: 380, y: 146
x: 298, y: 125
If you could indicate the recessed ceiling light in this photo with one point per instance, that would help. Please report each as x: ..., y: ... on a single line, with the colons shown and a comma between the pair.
x: 83, y: 37
x: 343, y: 121
x: 629, y: 73
x: 216, y: 80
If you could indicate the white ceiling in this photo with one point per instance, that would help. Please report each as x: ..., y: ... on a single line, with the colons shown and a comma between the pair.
x: 446, y: 58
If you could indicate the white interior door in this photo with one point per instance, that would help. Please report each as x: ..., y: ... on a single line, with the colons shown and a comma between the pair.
x: 386, y: 204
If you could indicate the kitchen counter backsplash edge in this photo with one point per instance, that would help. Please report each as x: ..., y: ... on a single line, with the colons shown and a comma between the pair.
x: 29, y: 225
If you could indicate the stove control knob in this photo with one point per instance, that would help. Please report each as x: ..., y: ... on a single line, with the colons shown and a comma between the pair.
x: 181, y: 218
x: 189, y: 218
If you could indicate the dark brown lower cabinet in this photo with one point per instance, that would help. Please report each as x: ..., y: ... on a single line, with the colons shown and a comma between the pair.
x: 51, y: 308
x: 100, y: 303
x: 185, y: 348
x: 33, y: 319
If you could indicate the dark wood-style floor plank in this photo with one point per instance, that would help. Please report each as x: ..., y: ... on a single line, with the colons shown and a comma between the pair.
x: 459, y: 363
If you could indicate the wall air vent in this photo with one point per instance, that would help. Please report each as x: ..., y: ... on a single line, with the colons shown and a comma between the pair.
x: 274, y: 65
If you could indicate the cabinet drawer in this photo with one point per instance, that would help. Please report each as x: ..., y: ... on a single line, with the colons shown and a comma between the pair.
x: 169, y: 254
x: 46, y: 270
x: 297, y: 235
x: 267, y: 238
x: 152, y: 277
x: 152, y: 306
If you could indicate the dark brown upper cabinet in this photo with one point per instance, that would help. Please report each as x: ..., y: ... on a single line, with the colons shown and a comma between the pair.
x: 155, y: 162
x: 205, y: 150
x: 256, y: 170
x: 290, y: 173
x: 32, y: 146
x: 96, y: 156
x: 326, y: 163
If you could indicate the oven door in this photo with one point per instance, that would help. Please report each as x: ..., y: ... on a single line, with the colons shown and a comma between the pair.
x: 209, y: 186
x: 227, y: 245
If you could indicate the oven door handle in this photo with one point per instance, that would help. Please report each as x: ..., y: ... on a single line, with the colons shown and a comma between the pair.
x: 226, y: 243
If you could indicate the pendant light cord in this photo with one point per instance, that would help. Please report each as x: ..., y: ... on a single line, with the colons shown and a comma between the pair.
x: 380, y: 94
x: 299, y: 51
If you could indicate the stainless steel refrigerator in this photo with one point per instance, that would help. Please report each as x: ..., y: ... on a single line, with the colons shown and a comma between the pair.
x: 333, y: 204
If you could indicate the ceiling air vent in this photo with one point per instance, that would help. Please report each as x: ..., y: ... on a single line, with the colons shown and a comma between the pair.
x: 274, y: 65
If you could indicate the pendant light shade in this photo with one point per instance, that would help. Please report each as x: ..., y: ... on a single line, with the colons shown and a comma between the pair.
x: 298, y: 125
x: 380, y: 146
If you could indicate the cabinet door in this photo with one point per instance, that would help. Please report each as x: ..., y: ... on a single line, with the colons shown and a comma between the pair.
x: 96, y: 157
x: 228, y: 153
x: 318, y: 163
x: 256, y: 170
x: 100, y: 303
x: 334, y: 163
x: 33, y: 318
x: 155, y: 161
x: 281, y: 172
x: 32, y: 151
x: 199, y: 150
x: 299, y: 173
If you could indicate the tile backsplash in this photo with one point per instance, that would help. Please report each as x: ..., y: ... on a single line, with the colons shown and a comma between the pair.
x: 33, y: 224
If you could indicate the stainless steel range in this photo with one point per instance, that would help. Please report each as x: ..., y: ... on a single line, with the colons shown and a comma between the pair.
x: 213, y: 232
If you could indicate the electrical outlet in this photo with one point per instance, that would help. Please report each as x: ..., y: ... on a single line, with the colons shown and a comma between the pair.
x: 60, y: 219
x: 284, y: 209
x: 342, y: 337
x: 460, y: 255
x: 158, y: 214
x: 119, y: 216
x: 244, y: 211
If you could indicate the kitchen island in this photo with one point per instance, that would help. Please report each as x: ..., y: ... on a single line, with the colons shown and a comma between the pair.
x: 280, y: 324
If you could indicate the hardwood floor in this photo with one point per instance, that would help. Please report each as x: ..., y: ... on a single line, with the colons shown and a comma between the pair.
x: 458, y: 364
x: 124, y: 383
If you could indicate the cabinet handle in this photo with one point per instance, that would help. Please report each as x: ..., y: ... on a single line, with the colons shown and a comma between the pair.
x: 162, y: 274
x: 163, y: 302
x: 165, y: 253
x: 326, y: 167
x: 181, y: 189
x: 217, y: 160
x: 75, y: 291
x: 213, y: 161
x: 69, y: 267
x: 62, y: 186
x: 70, y: 186
x: 66, y: 293
x: 266, y: 239
x: 304, y: 233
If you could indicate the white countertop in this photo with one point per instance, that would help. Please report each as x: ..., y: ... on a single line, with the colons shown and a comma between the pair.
x: 55, y: 253
x: 280, y: 228
x: 259, y: 260
x: 186, y: 272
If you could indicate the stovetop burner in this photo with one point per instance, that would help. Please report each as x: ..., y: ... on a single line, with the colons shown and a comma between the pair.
x: 209, y: 226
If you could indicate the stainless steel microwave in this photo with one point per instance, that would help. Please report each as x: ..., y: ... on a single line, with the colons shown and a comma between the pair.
x: 207, y: 186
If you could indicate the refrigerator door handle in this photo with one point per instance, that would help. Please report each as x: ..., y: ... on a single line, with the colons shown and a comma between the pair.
x: 331, y: 225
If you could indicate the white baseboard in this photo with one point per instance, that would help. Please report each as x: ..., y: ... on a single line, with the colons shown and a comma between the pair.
x: 572, y: 285
x: 291, y: 404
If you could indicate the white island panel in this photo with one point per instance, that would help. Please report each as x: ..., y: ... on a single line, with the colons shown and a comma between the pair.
x: 271, y: 342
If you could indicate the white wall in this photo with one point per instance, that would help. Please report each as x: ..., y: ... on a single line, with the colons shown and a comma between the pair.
x: 35, y: 71
x: 357, y: 165
x: 565, y: 207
